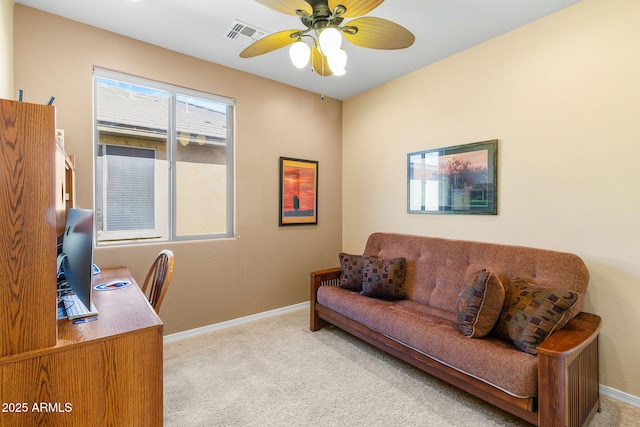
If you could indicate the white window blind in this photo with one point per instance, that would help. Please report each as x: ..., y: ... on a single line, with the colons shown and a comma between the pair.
x: 130, y: 177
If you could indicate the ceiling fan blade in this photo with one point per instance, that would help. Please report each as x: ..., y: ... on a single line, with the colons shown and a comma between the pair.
x: 355, y: 7
x: 270, y: 43
x: 287, y: 6
x: 378, y: 33
x: 319, y: 62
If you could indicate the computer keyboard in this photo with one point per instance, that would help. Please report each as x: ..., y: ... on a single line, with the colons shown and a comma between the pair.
x: 75, y: 309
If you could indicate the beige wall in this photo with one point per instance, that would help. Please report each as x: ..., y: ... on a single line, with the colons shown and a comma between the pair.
x: 561, y: 95
x: 267, y: 266
x: 6, y: 49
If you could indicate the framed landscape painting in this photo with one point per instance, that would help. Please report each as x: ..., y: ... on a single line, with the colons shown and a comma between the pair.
x: 462, y: 179
x: 298, y: 191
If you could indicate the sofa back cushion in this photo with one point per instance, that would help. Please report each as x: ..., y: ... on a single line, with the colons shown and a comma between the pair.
x: 437, y: 269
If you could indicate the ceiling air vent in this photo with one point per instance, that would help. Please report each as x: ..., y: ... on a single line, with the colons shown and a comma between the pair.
x: 244, y: 33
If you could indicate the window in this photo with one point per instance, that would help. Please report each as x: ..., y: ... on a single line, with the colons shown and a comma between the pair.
x: 164, y: 161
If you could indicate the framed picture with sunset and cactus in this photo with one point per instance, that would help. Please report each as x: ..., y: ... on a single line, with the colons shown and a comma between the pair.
x: 298, y: 191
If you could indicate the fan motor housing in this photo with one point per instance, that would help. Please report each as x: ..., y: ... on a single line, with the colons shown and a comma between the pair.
x: 321, y: 17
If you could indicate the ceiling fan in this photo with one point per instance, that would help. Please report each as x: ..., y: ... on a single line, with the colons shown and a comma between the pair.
x: 325, y: 26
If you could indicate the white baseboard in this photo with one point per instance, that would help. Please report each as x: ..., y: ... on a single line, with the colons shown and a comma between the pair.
x: 620, y: 395
x: 216, y: 326
x: 604, y: 390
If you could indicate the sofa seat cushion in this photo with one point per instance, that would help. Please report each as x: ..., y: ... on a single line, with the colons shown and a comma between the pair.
x: 489, y: 359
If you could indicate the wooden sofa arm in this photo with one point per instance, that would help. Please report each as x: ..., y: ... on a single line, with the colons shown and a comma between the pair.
x: 573, y: 337
x: 568, y: 373
x: 326, y: 277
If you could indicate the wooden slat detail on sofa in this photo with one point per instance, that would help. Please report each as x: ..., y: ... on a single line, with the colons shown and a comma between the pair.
x: 327, y: 277
x: 568, y: 373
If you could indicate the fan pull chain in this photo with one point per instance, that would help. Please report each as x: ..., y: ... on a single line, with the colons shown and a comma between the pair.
x: 322, y: 81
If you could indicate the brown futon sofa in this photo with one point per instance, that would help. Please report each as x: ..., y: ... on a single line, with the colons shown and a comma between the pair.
x: 504, y: 323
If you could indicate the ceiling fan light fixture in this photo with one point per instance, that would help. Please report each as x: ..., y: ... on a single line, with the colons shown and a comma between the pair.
x: 337, y: 62
x: 299, y: 53
x: 330, y: 40
x: 323, y: 22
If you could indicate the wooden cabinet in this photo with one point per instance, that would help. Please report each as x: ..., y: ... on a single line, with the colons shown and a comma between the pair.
x: 57, y: 373
x: 27, y: 227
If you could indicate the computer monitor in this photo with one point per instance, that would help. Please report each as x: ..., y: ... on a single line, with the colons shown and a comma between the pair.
x: 77, y: 253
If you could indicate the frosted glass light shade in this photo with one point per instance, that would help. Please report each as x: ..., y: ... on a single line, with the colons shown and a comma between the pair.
x: 299, y: 53
x: 337, y: 61
x: 330, y: 40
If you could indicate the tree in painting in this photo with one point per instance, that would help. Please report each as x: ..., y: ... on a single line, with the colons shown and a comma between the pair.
x: 462, y: 173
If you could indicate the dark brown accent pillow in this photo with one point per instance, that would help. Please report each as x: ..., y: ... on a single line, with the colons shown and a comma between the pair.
x: 479, y: 304
x: 383, y: 278
x: 350, y: 271
x: 531, y: 314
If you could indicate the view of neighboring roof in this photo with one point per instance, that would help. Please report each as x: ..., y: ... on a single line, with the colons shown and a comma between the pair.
x: 144, y: 112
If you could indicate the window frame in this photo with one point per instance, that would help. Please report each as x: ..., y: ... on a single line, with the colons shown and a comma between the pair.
x: 172, y: 141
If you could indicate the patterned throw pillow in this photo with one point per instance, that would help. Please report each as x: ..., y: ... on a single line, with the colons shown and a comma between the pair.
x: 480, y: 304
x: 530, y: 314
x: 383, y: 278
x: 351, y: 271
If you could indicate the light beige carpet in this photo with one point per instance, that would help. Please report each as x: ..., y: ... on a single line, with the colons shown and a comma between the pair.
x: 275, y: 372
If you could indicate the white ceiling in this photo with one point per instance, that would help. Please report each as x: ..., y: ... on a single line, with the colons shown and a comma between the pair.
x: 198, y: 28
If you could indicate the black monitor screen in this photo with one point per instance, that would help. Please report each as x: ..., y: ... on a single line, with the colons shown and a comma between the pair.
x: 77, y: 249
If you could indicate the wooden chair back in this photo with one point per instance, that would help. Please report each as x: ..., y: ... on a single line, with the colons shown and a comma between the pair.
x: 158, y: 279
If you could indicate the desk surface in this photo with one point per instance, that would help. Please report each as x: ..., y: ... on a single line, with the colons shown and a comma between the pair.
x: 120, y: 311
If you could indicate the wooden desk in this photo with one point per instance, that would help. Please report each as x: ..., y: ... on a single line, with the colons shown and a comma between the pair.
x: 104, y: 372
